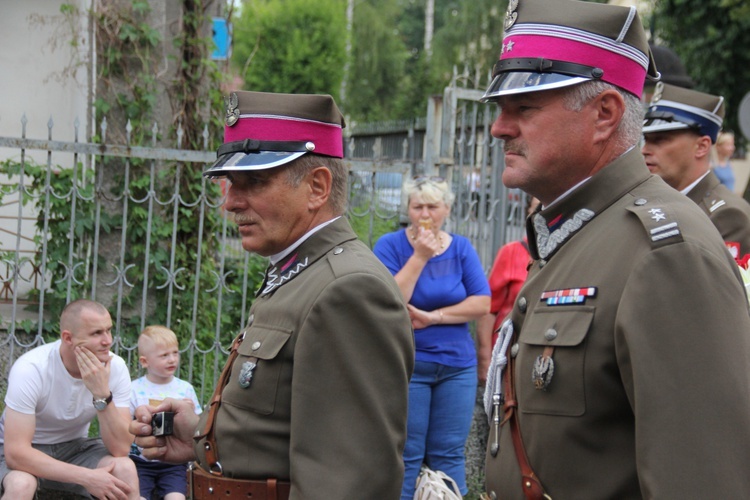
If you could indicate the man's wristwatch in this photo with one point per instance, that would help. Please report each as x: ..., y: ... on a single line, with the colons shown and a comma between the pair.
x: 101, y: 404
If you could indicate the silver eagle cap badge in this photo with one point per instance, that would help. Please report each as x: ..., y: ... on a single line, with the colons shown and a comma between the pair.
x: 233, y: 110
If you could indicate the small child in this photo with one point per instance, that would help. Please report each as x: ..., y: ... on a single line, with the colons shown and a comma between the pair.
x: 158, y: 353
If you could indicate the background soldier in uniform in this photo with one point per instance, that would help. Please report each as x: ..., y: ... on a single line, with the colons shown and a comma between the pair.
x: 628, y: 346
x: 680, y: 127
x: 313, y: 405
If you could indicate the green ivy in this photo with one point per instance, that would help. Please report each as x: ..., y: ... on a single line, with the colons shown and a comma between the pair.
x: 128, y: 63
x: 131, y: 58
x: 370, y: 231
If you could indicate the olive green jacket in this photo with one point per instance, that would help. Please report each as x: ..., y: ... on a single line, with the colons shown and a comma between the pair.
x: 650, y: 394
x: 326, y: 404
x: 729, y: 212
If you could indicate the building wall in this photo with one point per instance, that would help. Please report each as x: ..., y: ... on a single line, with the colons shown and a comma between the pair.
x: 42, y: 73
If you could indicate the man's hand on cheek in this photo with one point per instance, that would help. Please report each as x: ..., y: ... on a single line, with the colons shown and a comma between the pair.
x: 94, y: 373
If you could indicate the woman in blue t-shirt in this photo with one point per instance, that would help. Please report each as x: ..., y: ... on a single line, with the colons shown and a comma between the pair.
x: 441, y: 278
x: 724, y: 149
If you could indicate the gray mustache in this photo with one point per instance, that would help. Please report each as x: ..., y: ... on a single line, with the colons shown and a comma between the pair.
x: 512, y: 148
x: 241, y: 219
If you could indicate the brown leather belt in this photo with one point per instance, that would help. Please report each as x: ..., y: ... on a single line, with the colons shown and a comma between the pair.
x: 203, y: 485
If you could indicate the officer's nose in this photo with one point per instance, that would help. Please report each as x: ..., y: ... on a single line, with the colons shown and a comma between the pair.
x: 503, y: 127
x: 235, y: 201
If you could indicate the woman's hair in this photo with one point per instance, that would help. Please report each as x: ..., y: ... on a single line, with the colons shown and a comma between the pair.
x: 724, y: 136
x: 429, y: 189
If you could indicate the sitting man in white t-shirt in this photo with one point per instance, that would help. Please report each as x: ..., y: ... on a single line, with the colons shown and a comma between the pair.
x: 54, y: 392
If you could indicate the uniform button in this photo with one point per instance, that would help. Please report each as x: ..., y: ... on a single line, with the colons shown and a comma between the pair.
x: 522, y: 304
x: 250, y: 319
x: 255, y: 346
x: 514, y: 350
x: 550, y: 334
x: 337, y: 250
x: 542, y: 263
x: 640, y: 201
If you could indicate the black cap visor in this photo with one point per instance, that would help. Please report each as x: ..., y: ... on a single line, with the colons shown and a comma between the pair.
x: 260, y: 160
x: 651, y: 126
x: 665, y: 121
x: 519, y: 82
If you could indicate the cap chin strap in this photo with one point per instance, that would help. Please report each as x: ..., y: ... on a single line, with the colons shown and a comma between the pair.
x: 252, y: 146
x: 542, y: 65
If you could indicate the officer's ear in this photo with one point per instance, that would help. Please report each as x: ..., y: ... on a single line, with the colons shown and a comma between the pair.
x: 320, y: 181
x: 702, y: 147
x: 609, y: 107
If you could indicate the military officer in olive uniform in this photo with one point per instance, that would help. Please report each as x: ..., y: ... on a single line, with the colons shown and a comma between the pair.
x: 312, y: 402
x: 623, y: 370
x: 680, y: 127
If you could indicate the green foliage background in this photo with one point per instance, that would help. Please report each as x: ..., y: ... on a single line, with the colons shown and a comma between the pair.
x: 278, y: 44
x: 132, y: 85
x: 129, y: 89
x: 712, y: 39
x: 300, y: 46
x: 390, y: 76
x: 292, y: 46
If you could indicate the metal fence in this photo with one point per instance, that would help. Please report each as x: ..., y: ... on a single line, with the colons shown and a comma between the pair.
x: 125, y: 234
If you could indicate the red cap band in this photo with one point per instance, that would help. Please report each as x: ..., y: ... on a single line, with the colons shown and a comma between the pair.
x: 325, y: 136
x: 619, y: 69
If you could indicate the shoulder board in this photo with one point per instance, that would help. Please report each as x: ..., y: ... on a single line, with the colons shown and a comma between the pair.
x: 346, y: 258
x: 661, y: 227
x: 715, y: 204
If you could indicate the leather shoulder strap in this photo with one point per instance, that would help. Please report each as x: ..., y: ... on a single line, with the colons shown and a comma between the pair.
x: 212, y: 453
x: 530, y: 483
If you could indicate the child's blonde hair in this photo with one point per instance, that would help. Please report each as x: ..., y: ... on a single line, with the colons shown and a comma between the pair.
x: 156, y: 335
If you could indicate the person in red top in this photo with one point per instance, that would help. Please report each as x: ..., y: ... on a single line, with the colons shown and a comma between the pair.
x: 506, y: 278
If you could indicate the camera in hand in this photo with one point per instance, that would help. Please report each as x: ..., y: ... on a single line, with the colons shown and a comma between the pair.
x: 162, y: 423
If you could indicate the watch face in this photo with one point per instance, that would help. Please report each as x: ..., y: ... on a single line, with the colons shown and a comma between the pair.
x: 101, y: 404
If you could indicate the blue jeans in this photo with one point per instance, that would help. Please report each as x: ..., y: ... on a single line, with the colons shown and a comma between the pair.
x: 441, y: 404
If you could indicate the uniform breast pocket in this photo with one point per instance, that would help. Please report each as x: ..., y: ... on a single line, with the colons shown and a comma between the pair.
x: 254, y: 382
x: 560, y: 334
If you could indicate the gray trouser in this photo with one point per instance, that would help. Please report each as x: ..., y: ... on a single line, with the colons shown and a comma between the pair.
x: 85, y: 452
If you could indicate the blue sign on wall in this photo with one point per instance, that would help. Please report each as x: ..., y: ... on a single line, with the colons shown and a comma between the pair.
x: 222, y: 35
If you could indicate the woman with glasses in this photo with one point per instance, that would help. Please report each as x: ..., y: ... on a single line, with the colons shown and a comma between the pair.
x: 443, y: 283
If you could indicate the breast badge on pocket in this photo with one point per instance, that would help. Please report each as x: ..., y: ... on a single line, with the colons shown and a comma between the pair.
x: 246, y: 373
